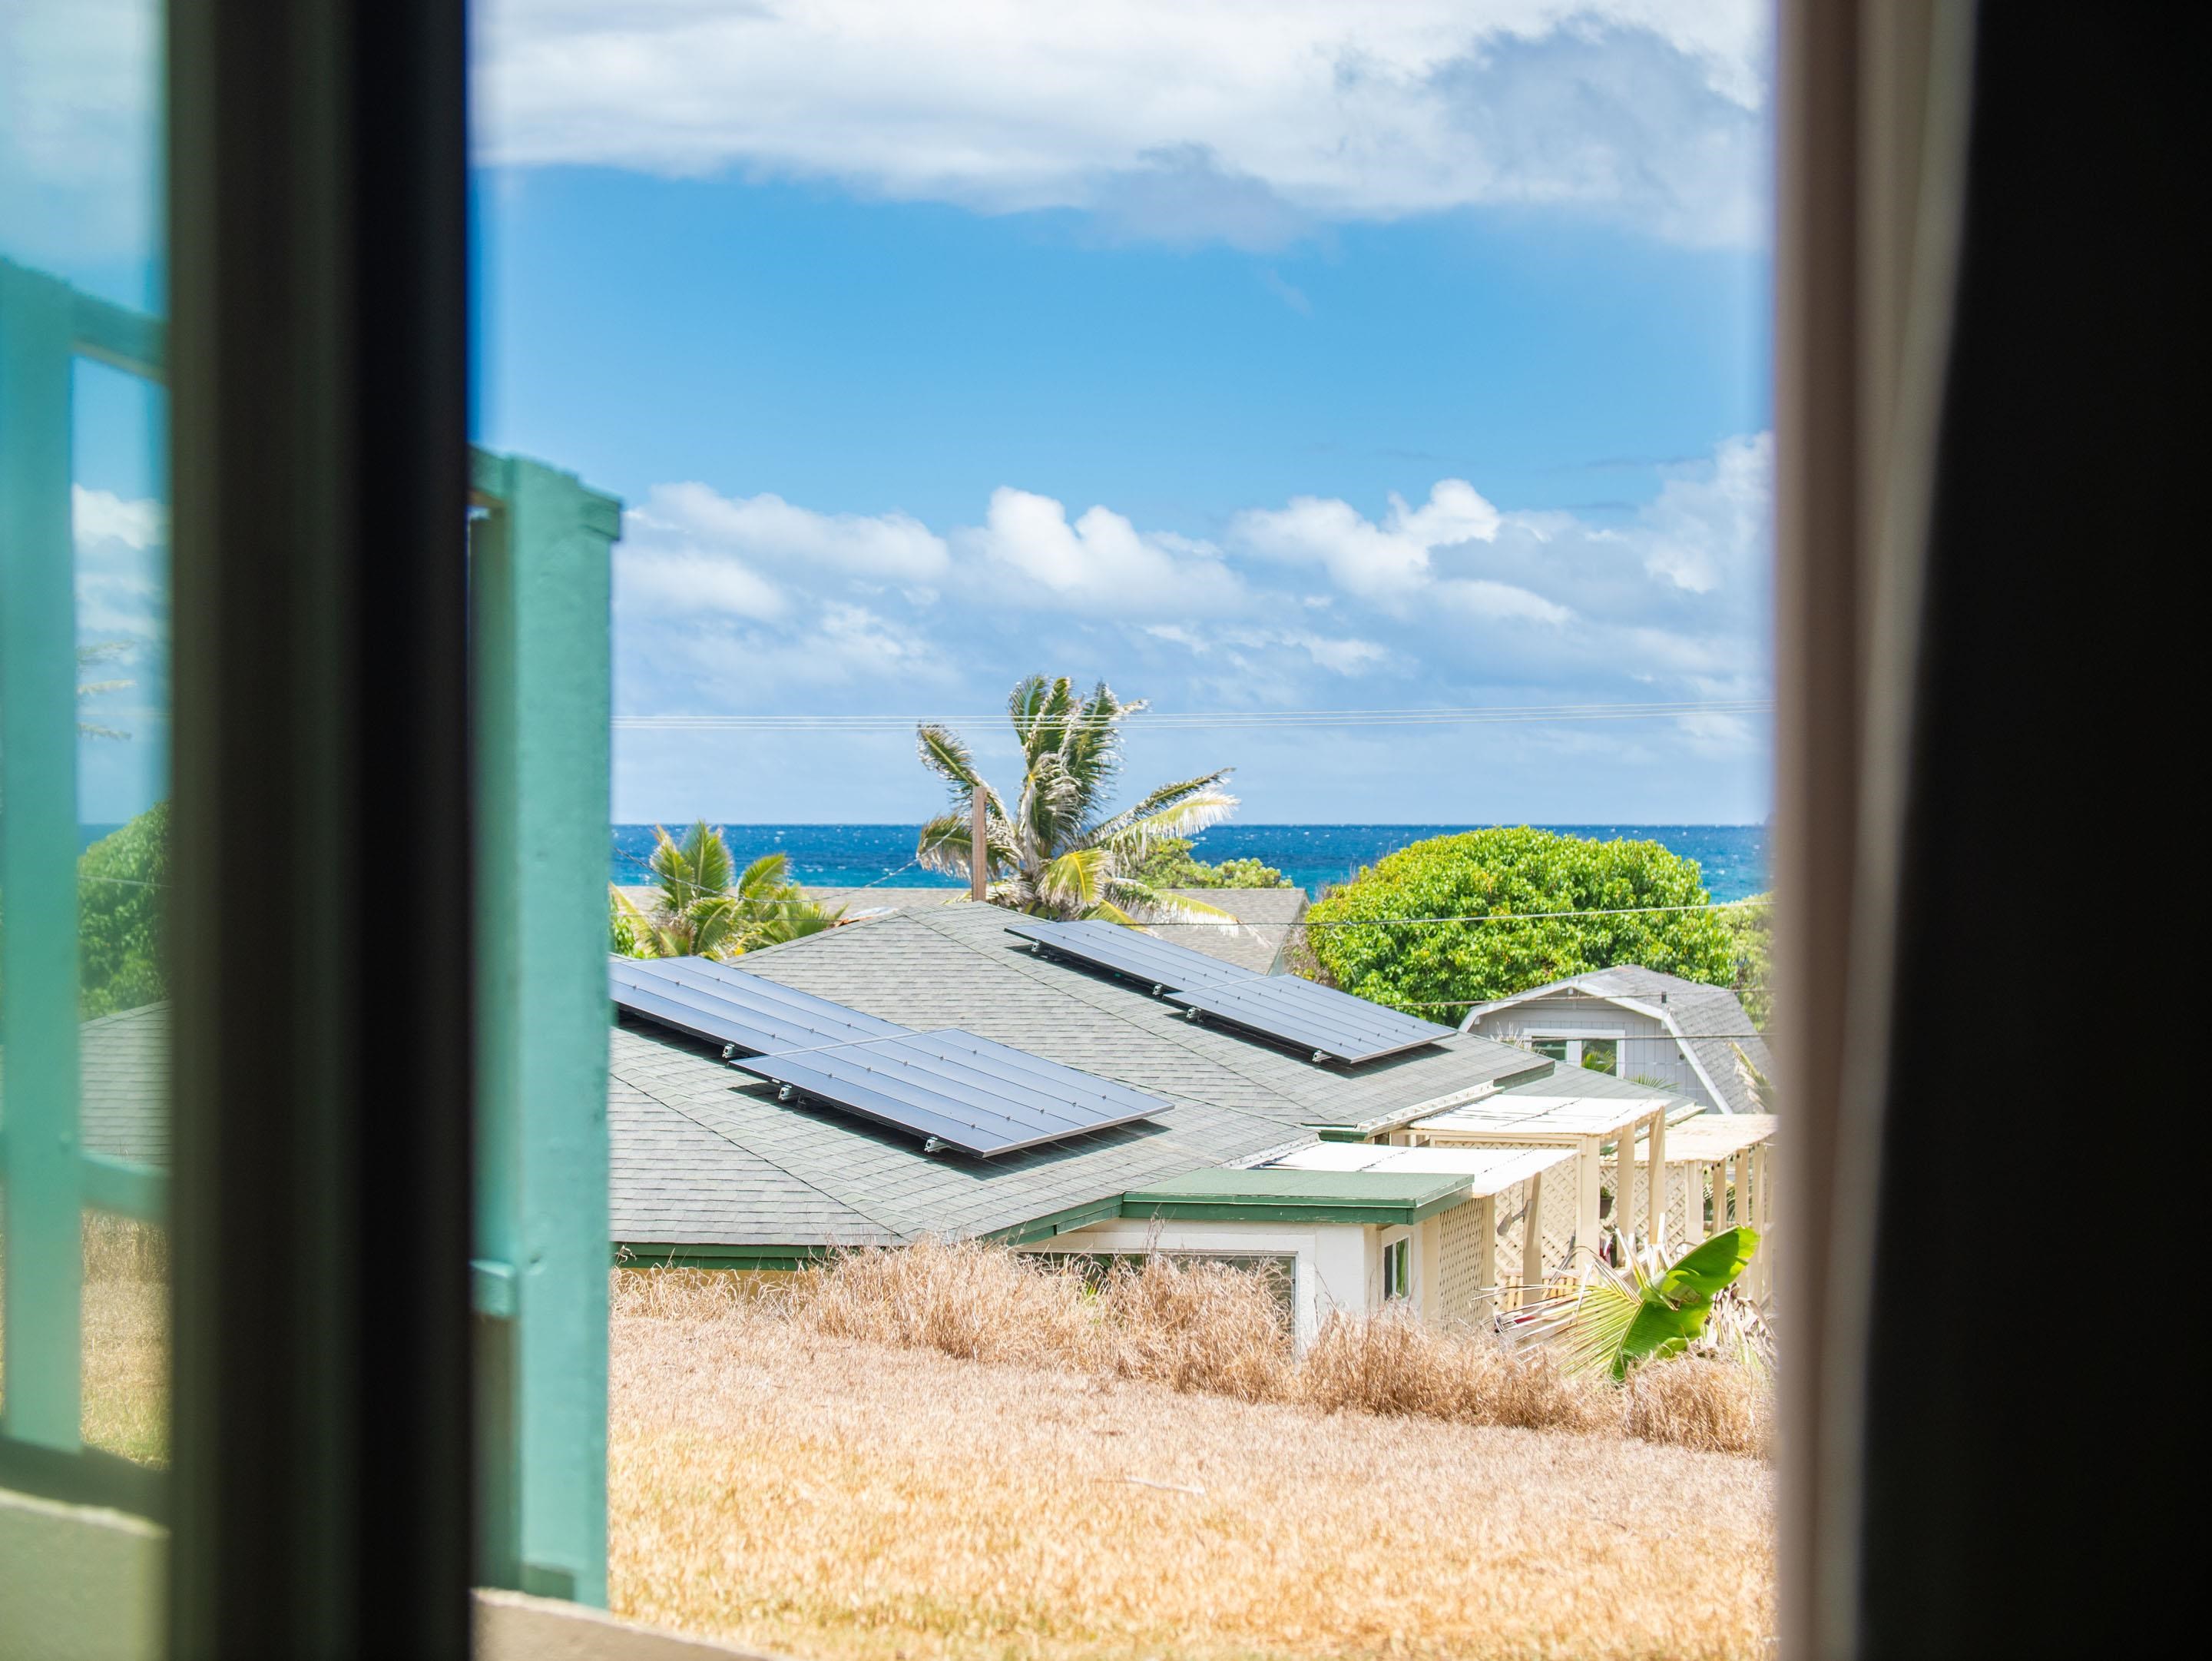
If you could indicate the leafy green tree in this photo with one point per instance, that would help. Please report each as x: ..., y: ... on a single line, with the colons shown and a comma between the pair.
x: 121, y: 961
x: 1439, y: 968
x: 1170, y: 865
x: 703, y: 907
x: 1055, y: 850
x: 1750, y: 925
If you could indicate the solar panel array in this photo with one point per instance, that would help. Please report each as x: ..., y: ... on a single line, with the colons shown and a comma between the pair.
x: 958, y: 1089
x: 950, y: 1088
x: 750, y: 1013
x: 1141, y: 957
x: 1331, y: 1025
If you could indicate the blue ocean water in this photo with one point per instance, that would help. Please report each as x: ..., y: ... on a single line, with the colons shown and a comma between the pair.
x: 1732, y: 856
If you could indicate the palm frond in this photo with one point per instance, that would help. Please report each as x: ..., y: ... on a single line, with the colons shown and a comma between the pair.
x: 716, y: 927
x: 765, y: 878
x: 1158, y: 904
x: 711, y: 867
x: 1187, y: 818
x: 1076, y: 881
x: 1160, y: 800
x: 629, y: 934
x: 1052, y: 805
x: 944, y: 754
x: 1092, y: 750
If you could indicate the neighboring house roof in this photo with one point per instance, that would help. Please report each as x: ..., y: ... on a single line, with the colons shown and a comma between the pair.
x: 1278, y: 1195
x: 706, y: 1161
x: 1266, y: 917
x: 800, y: 1176
x: 1708, y: 1021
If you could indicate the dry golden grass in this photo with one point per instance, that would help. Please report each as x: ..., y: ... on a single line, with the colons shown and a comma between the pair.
x: 125, y: 1349
x: 777, y: 1483
x: 952, y: 1454
x: 1205, y: 1327
x: 1696, y: 1403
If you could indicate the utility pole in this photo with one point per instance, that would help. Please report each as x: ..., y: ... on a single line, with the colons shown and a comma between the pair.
x: 979, y: 856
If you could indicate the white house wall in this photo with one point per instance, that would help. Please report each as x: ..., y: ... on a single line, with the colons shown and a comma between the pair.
x: 1339, y: 1265
x: 1648, y: 1050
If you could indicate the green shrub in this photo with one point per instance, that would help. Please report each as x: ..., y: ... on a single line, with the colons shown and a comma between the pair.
x: 1439, y: 968
x: 121, y: 960
x: 1170, y: 865
x: 1750, y: 927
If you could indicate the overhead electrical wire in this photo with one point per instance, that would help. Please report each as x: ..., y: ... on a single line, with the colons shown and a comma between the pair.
x: 1481, y: 715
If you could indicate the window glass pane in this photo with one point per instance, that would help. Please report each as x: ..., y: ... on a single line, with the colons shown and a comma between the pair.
x: 1392, y: 425
x: 84, y: 771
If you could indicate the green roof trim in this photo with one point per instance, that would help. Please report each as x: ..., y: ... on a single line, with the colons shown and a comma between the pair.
x: 1298, y: 1197
x: 656, y: 1254
x: 1060, y: 1222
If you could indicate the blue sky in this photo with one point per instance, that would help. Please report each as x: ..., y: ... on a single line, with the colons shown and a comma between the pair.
x: 1254, y: 357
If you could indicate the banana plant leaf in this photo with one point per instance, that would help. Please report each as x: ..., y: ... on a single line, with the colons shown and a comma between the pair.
x: 1617, y: 1321
x: 1671, y: 1309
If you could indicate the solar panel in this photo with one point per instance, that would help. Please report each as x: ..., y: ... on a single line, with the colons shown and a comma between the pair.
x: 957, y: 1090
x: 1141, y: 957
x: 1331, y: 1024
x: 727, y: 1006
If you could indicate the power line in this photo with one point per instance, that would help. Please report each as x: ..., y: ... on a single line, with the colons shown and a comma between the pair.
x: 1232, y: 719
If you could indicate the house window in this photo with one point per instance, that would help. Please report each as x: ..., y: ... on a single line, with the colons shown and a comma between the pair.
x: 1398, y: 1269
x: 1599, y: 1053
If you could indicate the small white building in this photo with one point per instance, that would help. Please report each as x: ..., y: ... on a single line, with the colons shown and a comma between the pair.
x: 1633, y: 1022
x: 1356, y: 1227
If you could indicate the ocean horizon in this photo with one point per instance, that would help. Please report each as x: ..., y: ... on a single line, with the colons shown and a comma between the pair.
x: 1733, y: 858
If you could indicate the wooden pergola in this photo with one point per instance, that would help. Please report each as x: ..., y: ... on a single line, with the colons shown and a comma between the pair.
x: 1585, y: 1123
x: 1732, y: 1151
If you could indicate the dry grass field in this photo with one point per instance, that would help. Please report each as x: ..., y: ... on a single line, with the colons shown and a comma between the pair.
x: 779, y: 1484
x: 946, y: 1453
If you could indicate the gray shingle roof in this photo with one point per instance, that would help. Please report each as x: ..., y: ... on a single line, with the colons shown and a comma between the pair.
x: 850, y: 1182
x: 703, y: 1157
x: 1710, y: 1019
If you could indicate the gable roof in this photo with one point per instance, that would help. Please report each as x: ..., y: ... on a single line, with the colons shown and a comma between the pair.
x: 1708, y: 1022
x: 799, y: 1176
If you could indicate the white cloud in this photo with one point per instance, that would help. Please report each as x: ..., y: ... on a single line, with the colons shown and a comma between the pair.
x: 102, y: 515
x: 1677, y: 595
x: 1704, y: 531
x: 122, y: 566
x: 1391, y: 563
x: 1444, y: 600
x: 1027, y: 552
x: 1345, y: 657
x: 1245, y: 120
x: 767, y: 529
x: 690, y: 582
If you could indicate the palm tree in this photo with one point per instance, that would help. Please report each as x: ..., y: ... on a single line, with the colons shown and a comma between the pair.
x: 1056, y: 852
x: 698, y: 912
